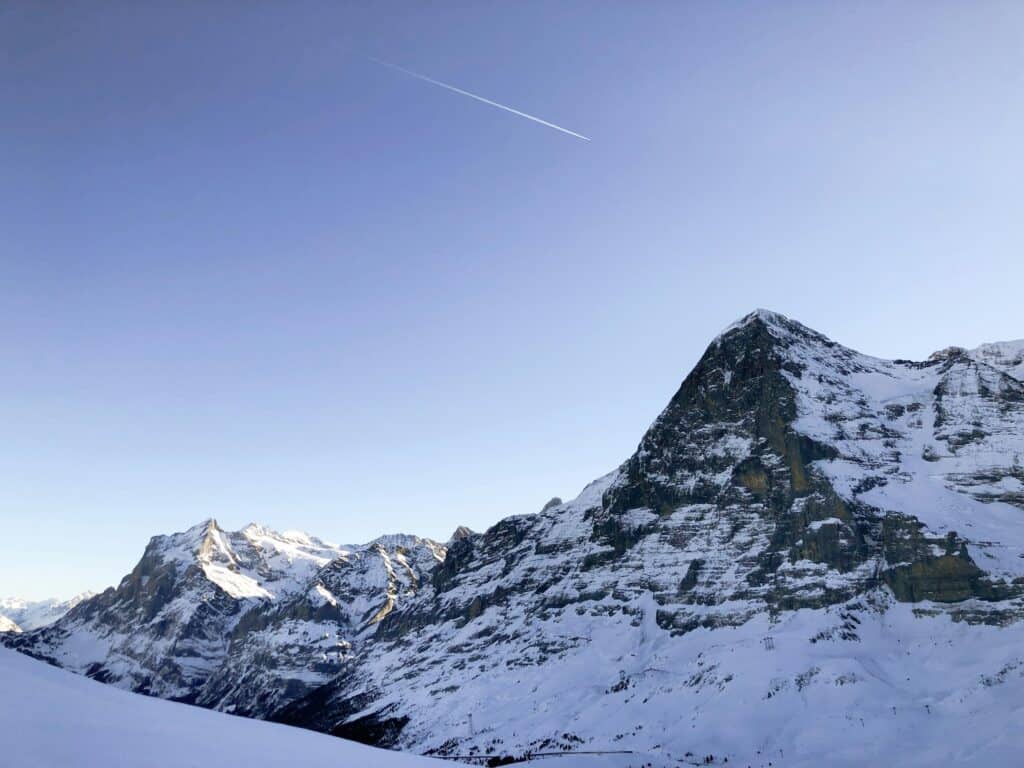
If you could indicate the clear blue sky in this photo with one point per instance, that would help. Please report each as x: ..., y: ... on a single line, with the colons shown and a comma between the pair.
x: 247, y: 273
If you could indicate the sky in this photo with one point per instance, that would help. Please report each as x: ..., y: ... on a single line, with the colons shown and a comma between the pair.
x: 248, y: 273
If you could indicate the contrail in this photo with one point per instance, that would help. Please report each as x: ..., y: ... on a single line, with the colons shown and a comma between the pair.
x: 534, y: 118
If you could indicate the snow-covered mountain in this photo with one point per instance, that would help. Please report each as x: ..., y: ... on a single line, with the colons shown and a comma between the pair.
x: 50, y: 718
x: 241, y: 621
x: 32, y: 614
x: 6, y: 625
x: 1008, y: 356
x: 813, y: 555
x: 805, y: 538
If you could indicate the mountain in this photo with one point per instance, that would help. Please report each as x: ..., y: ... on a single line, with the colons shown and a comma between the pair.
x: 812, y: 556
x: 240, y: 621
x: 51, y: 718
x: 29, y: 614
x: 1008, y: 356
x: 6, y: 625
x: 799, y: 516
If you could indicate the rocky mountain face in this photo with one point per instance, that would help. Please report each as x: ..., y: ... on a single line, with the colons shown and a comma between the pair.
x: 802, y: 557
x: 240, y: 621
x: 32, y: 614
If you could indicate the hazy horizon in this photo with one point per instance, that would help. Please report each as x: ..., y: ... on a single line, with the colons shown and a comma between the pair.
x: 250, y: 274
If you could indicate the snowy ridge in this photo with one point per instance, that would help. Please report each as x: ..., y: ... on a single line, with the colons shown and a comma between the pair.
x: 255, y: 562
x: 1007, y: 356
x: 766, y: 316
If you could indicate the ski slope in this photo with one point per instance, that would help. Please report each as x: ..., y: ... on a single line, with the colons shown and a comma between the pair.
x: 50, y: 718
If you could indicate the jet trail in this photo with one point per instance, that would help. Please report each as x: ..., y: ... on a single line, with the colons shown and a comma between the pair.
x: 431, y: 80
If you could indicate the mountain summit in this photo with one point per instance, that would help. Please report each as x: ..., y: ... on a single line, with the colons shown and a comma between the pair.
x: 801, y: 538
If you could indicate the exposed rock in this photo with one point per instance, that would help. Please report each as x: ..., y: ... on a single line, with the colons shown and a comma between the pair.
x: 553, y: 502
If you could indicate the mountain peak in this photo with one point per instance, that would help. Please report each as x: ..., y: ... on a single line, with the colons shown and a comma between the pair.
x: 765, y: 316
x: 777, y: 324
x: 946, y: 353
x: 460, y: 533
x: 1007, y: 356
x: 197, y: 531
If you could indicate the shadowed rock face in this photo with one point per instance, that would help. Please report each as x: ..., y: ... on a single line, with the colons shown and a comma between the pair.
x: 726, y: 443
x: 787, y: 473
x: 729, y: 439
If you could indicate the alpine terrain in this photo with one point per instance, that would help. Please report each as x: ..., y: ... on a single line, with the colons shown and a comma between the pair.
x: 812, y: 555
x: 32, y: 614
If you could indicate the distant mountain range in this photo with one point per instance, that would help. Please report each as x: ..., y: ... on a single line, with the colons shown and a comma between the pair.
x: 17, y: 615
x: 814, y: 556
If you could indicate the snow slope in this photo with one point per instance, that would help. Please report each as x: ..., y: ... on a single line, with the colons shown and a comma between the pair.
x: 6, y: 625
x: 50, y: 718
